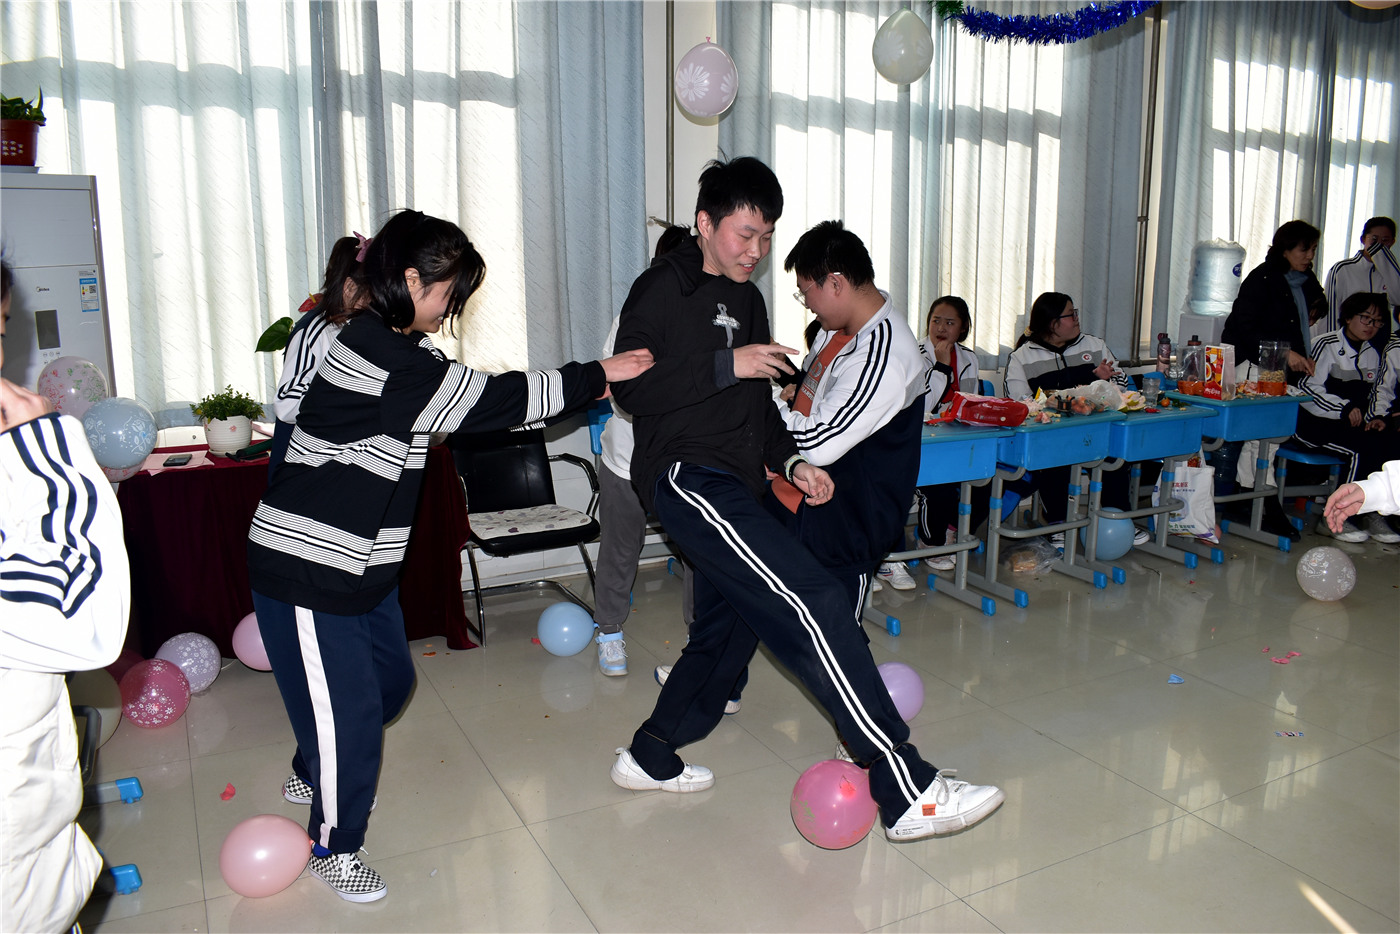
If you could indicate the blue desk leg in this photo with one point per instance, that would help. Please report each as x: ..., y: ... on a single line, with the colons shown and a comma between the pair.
x: 988, y: 581
x: 958, y: 588
x: 1262, y: 489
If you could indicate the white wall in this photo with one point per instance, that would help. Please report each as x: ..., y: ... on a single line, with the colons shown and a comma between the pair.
x: 696, y: 142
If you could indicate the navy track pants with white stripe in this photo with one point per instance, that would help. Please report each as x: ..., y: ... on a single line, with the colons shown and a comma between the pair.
x: 342, y: 678
x: 754, y: 581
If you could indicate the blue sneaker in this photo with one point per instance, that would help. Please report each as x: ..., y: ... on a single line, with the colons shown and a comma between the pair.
x: 612, y: 654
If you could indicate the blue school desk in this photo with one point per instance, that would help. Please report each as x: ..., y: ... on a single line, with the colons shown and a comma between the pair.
x: 1168, y: 435
x: 1270, y: 420
x: 1077, y: 441
x: 952, y: 453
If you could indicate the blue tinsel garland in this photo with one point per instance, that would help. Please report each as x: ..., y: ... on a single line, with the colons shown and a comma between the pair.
x: 1059, y: 28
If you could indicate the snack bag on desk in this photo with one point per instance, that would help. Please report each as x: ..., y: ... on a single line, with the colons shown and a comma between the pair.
x: 971, y: 409
x: 1220, y: 372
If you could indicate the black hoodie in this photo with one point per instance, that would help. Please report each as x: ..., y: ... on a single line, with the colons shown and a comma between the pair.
x: 690, y: 407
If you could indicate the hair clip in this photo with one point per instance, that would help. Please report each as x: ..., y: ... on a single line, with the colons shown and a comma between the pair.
x: 364, y: 246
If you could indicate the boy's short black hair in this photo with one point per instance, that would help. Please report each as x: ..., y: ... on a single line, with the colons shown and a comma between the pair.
x: 745, y: 182
x: 830, y: 248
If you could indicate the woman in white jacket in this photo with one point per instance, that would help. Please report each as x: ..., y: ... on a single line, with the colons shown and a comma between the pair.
x: 954, y: 369
x: 64, y: 595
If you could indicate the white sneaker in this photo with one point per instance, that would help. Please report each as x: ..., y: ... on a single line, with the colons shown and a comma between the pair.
x: 1058, y: 540
x: 1349, y: 532
x: 945, y: 807
x: 612, y: 654
x: 1141, y: 536
x: 351, y: 879
x: 626, y: 773
x: 875, y: 585
x: 731, y: 706
x: 941, y: 562
x: 1380, y: 530
x: 896, y: 575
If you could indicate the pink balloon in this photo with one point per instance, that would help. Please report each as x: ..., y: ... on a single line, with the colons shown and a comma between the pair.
x: 154, y: 693
x: 248, y: 644
x: 831, y: 804
x: 263, y: 855
x: 906, y: 689
x: 72, y: 384
x: 124, y: 663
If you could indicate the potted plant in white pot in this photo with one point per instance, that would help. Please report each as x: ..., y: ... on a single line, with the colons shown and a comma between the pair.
x: 228, y: 419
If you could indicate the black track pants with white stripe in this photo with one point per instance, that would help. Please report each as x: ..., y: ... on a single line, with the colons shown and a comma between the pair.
x: 754, y: 581
x: 1363, y: 451
x: 341, y: 678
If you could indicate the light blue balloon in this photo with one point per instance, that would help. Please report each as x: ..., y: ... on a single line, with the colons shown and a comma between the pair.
x: 565, y: 628
x: 121, y: 432
x: 1115, y: 537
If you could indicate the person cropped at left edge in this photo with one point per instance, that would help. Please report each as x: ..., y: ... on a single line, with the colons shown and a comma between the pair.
x: 65, y: 589
x: 328, y: 539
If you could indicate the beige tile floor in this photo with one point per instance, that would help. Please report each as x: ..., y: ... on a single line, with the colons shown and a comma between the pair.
x: 1132, y: 804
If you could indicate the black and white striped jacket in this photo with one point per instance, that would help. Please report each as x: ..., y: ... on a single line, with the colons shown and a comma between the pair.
x: 332, y: 529
x: 1342, y: 375
x: 309, y: 344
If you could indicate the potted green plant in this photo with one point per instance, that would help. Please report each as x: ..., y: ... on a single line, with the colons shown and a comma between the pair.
x: 19, y: 129
x: 228, y: 419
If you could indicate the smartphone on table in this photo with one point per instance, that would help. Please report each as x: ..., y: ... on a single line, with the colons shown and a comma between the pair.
x: 177, y: 460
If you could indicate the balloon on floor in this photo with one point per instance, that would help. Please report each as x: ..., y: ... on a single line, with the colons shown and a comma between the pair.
x: 1326, y: 573
x: 248, y: 644
x: 155, y: 693
x: 565, y: 628
x: 831, y: 804
x: 906, y: 688
x: 197, y: 656
x: 263, y: 855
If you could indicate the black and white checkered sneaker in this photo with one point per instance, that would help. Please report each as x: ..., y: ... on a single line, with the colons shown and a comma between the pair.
x: 297, y: 791
x: 351, y: 879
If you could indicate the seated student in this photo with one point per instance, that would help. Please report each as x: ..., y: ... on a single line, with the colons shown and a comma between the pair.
x: 954, y: 369
x: 1054, y: 354
x: 1333, y: 418
x: 1371, y: 269
x: 1382, y: 412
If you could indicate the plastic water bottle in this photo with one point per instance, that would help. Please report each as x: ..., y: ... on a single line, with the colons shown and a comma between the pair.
x: 1164, y: 352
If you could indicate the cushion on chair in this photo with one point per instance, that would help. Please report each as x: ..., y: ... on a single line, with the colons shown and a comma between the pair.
x: 532, y: 528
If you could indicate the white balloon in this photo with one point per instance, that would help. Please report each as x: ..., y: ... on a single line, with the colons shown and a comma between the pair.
x: 706, y: 81
x: 1326, y: 573
x: 903, y: 48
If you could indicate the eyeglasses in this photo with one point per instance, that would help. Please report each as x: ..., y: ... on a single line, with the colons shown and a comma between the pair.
x: 1373, y: 322
x: 1072, y: 313
x: 801, y: 294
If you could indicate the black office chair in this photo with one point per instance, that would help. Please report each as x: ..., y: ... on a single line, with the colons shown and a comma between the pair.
x: 511, y: 507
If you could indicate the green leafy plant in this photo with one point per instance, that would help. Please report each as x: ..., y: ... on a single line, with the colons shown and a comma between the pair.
x: 17, y: 108
x: 226, y: 404
x: 276, y: 336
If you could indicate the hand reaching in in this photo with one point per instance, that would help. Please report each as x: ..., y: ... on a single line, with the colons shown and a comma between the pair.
x: 761, y: 361
x: 813, y: 481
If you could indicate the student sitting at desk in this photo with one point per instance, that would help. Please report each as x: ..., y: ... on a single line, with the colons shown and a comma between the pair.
x: 1333, y: 419
x: 954, y: 370
x: 1054, y: 353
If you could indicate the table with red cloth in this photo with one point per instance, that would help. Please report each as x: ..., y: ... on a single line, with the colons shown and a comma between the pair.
x: 187, y: 537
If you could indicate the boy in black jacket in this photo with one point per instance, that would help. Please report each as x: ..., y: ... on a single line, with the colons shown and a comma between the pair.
x: 706, y: 427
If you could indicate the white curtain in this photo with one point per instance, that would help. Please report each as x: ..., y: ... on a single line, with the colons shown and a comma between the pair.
x: 233, y: 142
x: 1275, y: 111
x: 1007, y: 171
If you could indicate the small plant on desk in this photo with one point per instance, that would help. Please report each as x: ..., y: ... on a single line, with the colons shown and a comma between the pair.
x: 228, y: 419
